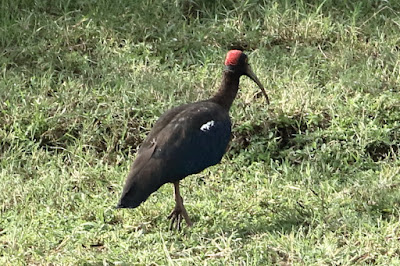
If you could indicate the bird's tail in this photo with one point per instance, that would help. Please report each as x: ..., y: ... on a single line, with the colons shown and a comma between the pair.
x: 139, y: 186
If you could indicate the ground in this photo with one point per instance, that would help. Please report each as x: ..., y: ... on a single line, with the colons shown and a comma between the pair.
x: 313, y: 178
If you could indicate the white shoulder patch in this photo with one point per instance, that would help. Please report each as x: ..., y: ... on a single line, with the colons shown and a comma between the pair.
x: 207, y: 126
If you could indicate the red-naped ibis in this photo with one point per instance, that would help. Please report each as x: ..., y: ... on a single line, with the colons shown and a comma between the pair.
x: 185, y: 140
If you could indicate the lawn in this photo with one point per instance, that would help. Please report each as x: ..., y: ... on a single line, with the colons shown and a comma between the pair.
x: 311, y: 179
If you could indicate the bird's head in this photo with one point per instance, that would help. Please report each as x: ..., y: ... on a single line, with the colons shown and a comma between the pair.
x: 237, y: 61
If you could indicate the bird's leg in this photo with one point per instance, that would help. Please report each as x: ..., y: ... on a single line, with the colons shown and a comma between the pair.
x: 179, y: 210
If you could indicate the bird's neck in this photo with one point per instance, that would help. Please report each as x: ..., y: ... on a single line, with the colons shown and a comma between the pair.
x: 228, y: 89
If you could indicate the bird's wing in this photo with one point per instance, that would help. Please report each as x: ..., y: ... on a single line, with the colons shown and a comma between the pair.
x: 194, y: 139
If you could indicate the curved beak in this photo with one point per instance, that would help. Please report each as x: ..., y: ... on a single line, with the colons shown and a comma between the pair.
x: 253, y: 76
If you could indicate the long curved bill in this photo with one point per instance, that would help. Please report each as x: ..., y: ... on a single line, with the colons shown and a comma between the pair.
x: 253, y: 76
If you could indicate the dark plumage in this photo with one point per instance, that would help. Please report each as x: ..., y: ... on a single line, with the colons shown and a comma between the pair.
x: 185, y: 140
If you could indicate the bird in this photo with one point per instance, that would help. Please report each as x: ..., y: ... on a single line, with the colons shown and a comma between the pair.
x: 185, y: 140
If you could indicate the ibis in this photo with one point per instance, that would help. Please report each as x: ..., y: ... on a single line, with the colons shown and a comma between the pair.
x: 185, y: 140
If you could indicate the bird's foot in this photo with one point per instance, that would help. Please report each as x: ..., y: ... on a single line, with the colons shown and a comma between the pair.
x: 176, y: 217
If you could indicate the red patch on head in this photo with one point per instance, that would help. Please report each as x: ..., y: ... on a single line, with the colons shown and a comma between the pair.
x: 232, y: 57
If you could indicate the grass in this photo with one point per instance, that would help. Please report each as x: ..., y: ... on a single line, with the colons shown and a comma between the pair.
x: 311, y: 179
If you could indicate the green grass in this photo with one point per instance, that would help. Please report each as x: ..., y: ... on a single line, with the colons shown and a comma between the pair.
x: 311, y: 179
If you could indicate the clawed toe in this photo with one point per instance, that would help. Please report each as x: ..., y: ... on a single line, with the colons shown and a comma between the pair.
x: 176, y: 219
